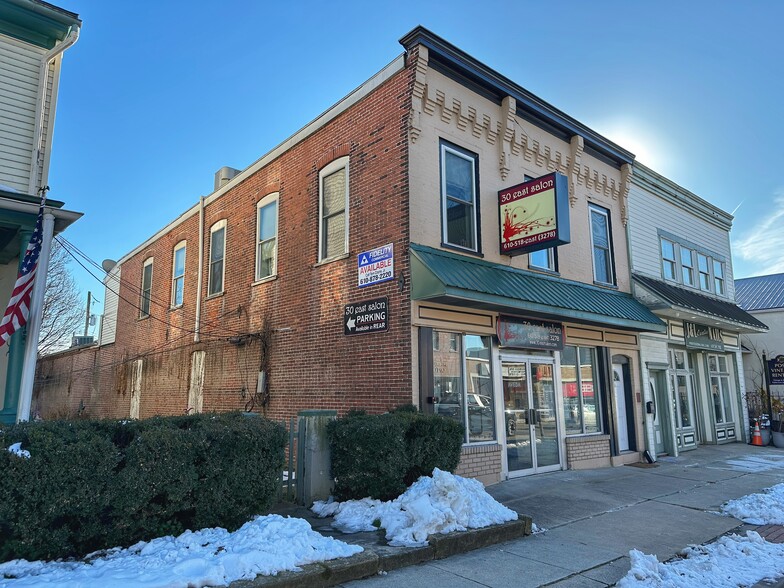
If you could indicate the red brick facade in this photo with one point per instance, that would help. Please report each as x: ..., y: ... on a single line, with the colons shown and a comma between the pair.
x: 312, y: 364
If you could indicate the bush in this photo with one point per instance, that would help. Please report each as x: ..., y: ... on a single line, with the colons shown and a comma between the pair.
x: 380, y: 456
x: 92, y: 485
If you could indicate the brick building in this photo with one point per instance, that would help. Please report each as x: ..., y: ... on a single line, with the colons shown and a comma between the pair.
x: 359, y: 264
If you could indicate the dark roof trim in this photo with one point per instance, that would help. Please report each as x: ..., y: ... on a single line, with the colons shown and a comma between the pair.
x: 683, y: 298
x: 36, y: 22
x: 448, y: 59
x: 27, y: 198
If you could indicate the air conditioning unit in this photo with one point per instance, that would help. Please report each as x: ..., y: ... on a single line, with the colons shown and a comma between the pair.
x: 81, y: 340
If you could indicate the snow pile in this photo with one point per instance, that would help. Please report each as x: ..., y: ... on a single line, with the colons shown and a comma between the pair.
x: 440, y: 504
x: 17, y: 450
x: 733, y: 560
x: 210, y: 557
x: 766, y: 508
x: 757, y: 463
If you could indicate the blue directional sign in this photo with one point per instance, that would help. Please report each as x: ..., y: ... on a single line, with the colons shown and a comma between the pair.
x: 376, y: 265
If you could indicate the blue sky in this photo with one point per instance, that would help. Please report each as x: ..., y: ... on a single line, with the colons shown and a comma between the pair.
x: 158, y: 95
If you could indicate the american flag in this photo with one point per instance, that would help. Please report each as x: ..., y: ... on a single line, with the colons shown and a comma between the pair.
x: 19, y: 306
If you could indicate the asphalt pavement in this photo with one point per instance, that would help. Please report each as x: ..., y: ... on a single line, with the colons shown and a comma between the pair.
x: 591, y: 519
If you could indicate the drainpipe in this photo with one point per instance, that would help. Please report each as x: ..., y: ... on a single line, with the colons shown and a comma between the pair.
x: 43, y: 83
x: 34, y: 322
x: 197, y: 326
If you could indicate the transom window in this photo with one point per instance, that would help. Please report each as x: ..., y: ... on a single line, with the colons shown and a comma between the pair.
x: 217, y: 258
x: 267, y: 237
x: 601, y: 242
x: 459, y: 198
x: 146, y: 289
x: 333, y: 209
x: 178, y: 274
x: 688, y: 265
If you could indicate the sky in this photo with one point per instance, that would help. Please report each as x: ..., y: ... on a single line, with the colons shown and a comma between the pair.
x: 157, y: 95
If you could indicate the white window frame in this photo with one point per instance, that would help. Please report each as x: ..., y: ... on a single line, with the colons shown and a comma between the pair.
x: 706, y: 273
x: 263, y: 203
x: 181, y: 246
x: 474, y: 159
x: 142, y: 313
x: 716, y: 279
x: 593, y: 208
x: 221, y: 224
x: 689, y: 267
x: 550, y: 251
x: 719, y: 282
x: 328, y: 170
x: 669, y: 262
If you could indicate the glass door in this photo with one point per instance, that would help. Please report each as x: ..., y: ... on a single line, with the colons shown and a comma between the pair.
x: 683, y: 411
x: 530, y: 416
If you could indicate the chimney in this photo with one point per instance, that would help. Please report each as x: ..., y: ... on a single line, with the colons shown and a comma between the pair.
x: 224, y: 175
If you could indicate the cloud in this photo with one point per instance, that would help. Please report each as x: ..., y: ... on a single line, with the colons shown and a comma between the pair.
x: 763, y: 245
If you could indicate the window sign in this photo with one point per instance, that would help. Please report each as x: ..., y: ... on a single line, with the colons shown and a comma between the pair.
x: 376, y: 265
x: 528, y: 334
x: 702, y: 337
x: 534, y: 215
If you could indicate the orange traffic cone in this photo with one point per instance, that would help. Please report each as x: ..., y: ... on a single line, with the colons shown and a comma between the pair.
x: 756, y: 436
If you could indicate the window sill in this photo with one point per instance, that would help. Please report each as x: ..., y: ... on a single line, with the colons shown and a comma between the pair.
x: 143, y: 318
x: 544, y: 270
x: 605, y: 285
x: 271, y: 278
x: 331, y: 260
x: 216, y: 295
x: 173, y: 308
x: 459, y: 249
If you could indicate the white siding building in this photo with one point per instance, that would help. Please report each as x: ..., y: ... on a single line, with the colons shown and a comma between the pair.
x: 682, y: 270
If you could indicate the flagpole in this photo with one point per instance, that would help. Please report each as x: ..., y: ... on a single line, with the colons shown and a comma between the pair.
x: 34, y: 322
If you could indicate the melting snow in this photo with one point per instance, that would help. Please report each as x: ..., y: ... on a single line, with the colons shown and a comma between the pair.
x: 765, y: 508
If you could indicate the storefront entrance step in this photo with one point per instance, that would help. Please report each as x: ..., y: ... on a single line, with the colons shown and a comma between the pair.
x: 380, y: 558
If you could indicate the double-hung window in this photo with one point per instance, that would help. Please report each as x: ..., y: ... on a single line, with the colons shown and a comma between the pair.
x: 217, y: 258
x: 703, y: 269
x: 718, y: 277
x: 178, y: 274
x: 146, y: 289
x: 669, y: 264
x: 267, y: 237
x: 601, y: 242
x: 333, y: 209
x: 459, y: 198
x: 687, y: 266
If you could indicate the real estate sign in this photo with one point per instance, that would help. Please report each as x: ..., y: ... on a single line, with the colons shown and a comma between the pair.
x: 376, y: 265
x: 534, y: 215
x: 776, y: 370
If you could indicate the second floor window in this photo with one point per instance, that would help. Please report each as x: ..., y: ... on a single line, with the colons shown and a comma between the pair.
x: 178, y: 274
x: 703, y: 270
x: 146, y: 297
x: 217, y: 257
x: 543, y: 259
x: 601, y: 242
x: 333, y: 210
x: 459, y: 198
x: 668, y: 259
x: 718, y: 277
x: 267, y: 237
x: 685, y: 263
x: 687, y: 266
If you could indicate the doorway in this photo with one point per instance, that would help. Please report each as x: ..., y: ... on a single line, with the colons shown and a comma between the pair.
x: 530, y: 415
x: 658, y: 399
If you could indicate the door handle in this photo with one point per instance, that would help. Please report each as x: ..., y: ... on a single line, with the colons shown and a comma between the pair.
x: 532, y: 417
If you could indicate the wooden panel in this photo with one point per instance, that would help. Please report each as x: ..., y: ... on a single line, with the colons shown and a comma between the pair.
x: 585, y: 334
x: 624, y: 338
x: 441, y: 315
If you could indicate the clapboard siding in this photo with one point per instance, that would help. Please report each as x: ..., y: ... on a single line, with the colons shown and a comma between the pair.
x: 649, y: 214
x: 111, y: 298
x: 19, y: 72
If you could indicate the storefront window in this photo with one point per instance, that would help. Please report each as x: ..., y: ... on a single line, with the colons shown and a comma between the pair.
x: 721, y: 393
x: 580, y: 390
x: 463, y: 383
x: 683, y: 401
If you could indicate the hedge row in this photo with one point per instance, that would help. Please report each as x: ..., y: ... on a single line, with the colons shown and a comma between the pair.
x: 90, y: 485
x: 381, y: 455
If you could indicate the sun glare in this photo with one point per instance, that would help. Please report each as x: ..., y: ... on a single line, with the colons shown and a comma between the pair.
x: 640, y: 141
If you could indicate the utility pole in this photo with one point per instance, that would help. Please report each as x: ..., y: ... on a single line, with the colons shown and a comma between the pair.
x: 87, y: 319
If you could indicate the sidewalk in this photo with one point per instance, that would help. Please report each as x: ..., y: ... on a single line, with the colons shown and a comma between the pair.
x: 593, y: 518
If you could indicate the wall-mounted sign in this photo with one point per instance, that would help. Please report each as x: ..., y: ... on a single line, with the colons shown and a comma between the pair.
x: 776, y: 371
x: 534, y: 215
x: 528, y: 334
x: 368, y: 316
x: 376, y: 265
x: 702, y: 337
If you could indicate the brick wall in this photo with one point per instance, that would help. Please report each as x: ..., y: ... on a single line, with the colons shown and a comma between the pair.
x: 591, y: 451
x: 482, y: 462
x: 312, y: 364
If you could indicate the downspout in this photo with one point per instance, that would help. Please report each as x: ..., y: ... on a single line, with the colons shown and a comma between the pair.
x: 43, y: 83
x: 197, y: 326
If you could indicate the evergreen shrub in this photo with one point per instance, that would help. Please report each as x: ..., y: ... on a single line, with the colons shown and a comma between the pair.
x: 379, y: 456
x: 91, y: 485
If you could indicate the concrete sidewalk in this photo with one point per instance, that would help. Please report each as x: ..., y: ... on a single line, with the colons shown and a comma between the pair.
x: 593, y: 518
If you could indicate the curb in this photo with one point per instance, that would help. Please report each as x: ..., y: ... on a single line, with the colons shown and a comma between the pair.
x: 382, y: 558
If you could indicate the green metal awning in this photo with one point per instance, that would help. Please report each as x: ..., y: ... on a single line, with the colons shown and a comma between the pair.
x: 449, y: 278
